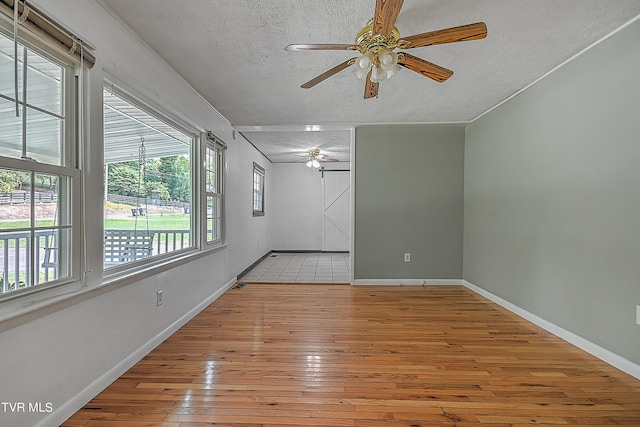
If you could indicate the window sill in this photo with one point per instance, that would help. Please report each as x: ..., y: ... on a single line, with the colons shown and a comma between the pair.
x: 11, y: 309
x: 151, y: 268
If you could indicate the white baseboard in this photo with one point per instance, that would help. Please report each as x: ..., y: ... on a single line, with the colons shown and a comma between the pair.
x: 62, y: 413
x: 407, y: 282
x: 601, y: 353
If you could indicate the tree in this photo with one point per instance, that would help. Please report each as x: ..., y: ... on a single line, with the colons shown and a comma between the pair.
x: 169, y: 177
x: 175, y: 172
x: 159, y: 188
x: 8, y: 181
x: 123, y: 179
x: 50, y: 180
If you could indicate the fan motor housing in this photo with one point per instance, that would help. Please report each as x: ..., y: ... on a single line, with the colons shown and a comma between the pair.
x: 367, y: 42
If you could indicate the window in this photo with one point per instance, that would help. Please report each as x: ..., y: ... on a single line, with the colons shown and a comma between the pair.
x: 148, y: 182
x: 258, y: 190
x: 214, y: 179
x: 40, y: 238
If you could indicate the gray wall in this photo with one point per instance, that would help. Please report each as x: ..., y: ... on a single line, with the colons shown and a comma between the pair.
x: 408, y: 198
x: 552, y: 197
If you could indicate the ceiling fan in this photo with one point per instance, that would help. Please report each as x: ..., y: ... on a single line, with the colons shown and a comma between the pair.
x: 377, y: 41
x: 315, y: 158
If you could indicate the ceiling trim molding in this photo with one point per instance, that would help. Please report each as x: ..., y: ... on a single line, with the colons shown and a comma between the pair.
x: 338, y: 126
x: 294, y: 128
x: 414, y: 124
x: 253, y: 145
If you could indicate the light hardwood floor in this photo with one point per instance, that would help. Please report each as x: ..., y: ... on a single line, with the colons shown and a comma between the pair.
x: 337, y: 355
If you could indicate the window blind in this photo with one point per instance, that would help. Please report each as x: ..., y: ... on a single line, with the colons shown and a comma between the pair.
x: 45, y: 28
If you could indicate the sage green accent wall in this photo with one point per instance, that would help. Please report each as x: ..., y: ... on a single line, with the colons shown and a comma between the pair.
x: 552, y: 197
x: 408, y: 198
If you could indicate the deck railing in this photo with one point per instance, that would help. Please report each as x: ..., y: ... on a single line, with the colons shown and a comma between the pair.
x: 15, y: 250
x: 162, y: 241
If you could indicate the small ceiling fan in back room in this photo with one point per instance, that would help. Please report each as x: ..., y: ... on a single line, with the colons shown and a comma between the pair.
x: 315, y: 157
x: 377, y: 42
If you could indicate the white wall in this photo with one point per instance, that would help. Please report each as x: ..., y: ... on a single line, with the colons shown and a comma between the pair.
x: 249, y: 236
x: 295, y: 211
x: 66, y: 352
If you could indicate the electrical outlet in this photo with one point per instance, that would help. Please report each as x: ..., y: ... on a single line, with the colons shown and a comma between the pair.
x: 407, y: 257
x: 159, y: 298
x: 638, y: 314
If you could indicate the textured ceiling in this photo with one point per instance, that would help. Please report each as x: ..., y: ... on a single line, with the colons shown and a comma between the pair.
x: 232, y: 52
x: 292, y: 146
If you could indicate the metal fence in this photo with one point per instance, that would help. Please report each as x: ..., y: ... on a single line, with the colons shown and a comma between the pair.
x: 142, y: 201
x: 24, y: 197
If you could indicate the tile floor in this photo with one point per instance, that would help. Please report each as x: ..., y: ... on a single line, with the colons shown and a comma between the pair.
x: 315, y: 267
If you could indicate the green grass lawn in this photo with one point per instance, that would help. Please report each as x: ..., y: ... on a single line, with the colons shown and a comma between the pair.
x: 19, y: 223
x: 156, y: 222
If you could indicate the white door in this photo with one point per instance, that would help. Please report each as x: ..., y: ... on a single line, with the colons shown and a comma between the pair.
x: 336, y: 218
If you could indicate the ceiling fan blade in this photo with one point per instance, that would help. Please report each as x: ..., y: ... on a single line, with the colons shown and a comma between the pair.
x: 370, y: 88
x: 423, y: 67
x: 327, y: 74
x: 449, y: 35
x: 324, y: 158
x: 385, y: 16
x: 300, y: 47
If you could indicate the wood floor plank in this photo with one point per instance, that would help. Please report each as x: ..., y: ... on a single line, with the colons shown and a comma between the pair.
x: 330, y: 355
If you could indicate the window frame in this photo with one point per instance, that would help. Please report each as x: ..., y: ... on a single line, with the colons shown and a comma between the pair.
x: 258, y: 171
x: 130, y: 268
x: 218, y: 146
x: 70, y: 198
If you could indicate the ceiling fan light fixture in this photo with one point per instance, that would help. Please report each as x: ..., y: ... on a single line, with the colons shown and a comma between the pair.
x: 365, y: 61
x: 388, y: 59
x: 392, y: 71
x: 388, y: 63
x: 363, y: 65
x: 313, y: 164
x: 377, y: 74
x: 380, y: 61
x: 361, y: 74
